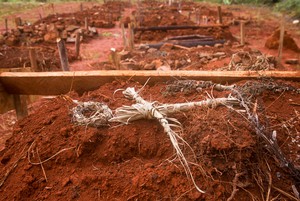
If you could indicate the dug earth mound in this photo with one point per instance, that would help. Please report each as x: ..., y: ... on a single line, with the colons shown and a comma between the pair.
x: 51, y: 157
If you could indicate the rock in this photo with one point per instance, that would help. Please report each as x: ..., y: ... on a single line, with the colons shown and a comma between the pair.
x: 124, y: 55
x: 219, y: 54
x: 51, y: 36
x: 72, y: 28
x: 166, y: 47
x: 218, y: 45
x: 292, y: 61
x: 27, y: 29
x: 164, y: 68
x: 151, y: 50
x: 149, y: 67
x: 12, y: 40
x: 228, y: 43
x: 129, y: 66
x: 157, y: 63
x: 214, y: 59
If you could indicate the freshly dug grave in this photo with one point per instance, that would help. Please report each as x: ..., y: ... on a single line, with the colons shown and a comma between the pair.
x: 47, y: 57
x: 221, y: 57
x: 288, y: 42
x: 137, y: 161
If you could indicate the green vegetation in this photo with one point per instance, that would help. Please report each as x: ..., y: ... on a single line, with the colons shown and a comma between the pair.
x: 291, y: 7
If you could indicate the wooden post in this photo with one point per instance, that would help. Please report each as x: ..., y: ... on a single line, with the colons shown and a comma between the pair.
x: 220, y: 15
x: 40, y: 17
x: 124, y: 37
x: 77, y: 45
x: 115, y: 58
x: 18, y: 21
x: 81, y: 7
x: 197, y: 17
x: 242, y: 23
x: 52, y: 5
x: 131, y: 36
x: 20, y: 103
x: 281, y: 39
x: 189, y: 15
x: 33, y: 61
x: 86, y: 26
x: 6, y: 26
x: 62, y: 54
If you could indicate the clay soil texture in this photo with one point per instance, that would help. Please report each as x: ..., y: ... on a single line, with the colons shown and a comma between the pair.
x: 50, y: 157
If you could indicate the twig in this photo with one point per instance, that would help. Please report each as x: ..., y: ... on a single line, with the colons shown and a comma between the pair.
x: 37, y: 151
x: 285, y: 193
x: 41, y: 162
x: 269, y: 186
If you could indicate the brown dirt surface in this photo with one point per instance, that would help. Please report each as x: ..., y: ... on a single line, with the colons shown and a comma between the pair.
x: 137, y: 161
x: 288, y: 42
x: 18, y: 57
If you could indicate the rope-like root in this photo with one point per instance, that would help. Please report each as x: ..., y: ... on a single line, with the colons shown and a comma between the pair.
x: 249, y: 62
x: 194, y: 85
x: 91, y: 113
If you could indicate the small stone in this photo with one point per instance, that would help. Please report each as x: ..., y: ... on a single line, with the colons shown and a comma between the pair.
x: 149, y: 67
x: 219, y: 54
x: 292, y: 61
x: 218, y: 45
x: 157, y: 63
x: 164, y: 68
x: 151, y: 50
x: 166, y: 47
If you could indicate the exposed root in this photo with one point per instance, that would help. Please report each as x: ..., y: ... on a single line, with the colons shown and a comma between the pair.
x: 189, y: 86
x: 236, y: 183
x: 242, y: 61
x: 44, y: 161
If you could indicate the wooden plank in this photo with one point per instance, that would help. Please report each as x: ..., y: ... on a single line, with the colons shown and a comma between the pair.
x: 55, y: 83
x: 165, y: 28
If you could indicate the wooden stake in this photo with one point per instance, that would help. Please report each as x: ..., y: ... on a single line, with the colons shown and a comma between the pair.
x: 40, y: 17
x: 124, y: 37
x: 18, y: 21
x: 33, y: 61
x: 86, y: 26
x: 77, y: 45
x: 6, y: 25
x: 281, y: 39
x: 20, y: 103
x: 220, y: 15
x: 81, y: 7
x: 62, y: 54
x: 242, y: 32
x: 197, y: 15
x: 52, y: 5
x: 131, y: 36
x: 115, y: 58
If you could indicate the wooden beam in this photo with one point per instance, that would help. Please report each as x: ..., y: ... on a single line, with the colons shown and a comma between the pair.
x: 55, y: 83
x: 165, y: 28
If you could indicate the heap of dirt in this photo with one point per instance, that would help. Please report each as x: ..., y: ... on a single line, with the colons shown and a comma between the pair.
x: 137, y: 161
x: 288, y: 42
x: 18, y: 57
x: 155, y: 36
